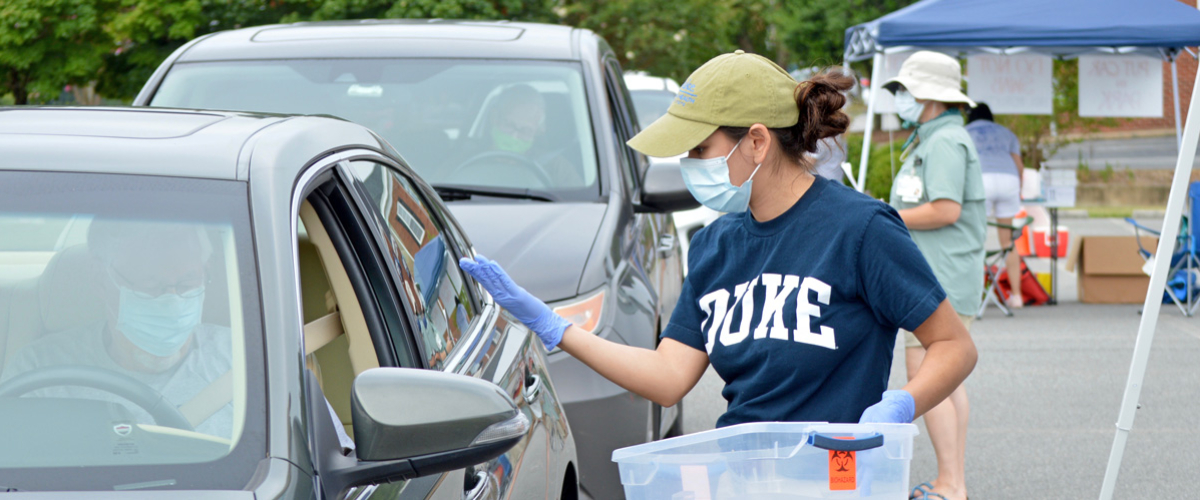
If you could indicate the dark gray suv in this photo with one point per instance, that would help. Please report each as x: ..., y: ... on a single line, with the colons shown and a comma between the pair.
x: 521, y: 129
x: 227, y: 305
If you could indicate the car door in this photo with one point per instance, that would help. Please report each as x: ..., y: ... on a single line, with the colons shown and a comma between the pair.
x: 457, y: 328
x: 655, y: 248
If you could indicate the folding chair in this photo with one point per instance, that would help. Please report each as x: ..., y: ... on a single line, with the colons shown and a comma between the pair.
x: 993, y: 264
x: 1183, y: 279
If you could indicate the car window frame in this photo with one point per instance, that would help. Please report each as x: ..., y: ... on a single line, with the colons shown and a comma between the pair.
x: 481, y: 324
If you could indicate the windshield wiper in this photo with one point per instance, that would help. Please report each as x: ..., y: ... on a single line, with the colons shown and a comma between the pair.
x: 452, y: 192
x: 6, y: 489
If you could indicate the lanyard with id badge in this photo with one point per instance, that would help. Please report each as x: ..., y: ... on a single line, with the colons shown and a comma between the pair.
x: 909, y: 186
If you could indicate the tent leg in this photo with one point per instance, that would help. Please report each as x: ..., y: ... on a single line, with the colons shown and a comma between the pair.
x: 1175, y: 94
x: 876, y: 85
x: 1153, y: 302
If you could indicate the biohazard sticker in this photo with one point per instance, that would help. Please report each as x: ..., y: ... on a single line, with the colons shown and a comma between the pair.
x: 842, y: 467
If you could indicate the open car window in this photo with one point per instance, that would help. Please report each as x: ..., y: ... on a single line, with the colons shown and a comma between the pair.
x: 130, y: 334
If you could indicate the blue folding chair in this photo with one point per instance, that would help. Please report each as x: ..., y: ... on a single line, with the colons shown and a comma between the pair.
x: 1183, y: 280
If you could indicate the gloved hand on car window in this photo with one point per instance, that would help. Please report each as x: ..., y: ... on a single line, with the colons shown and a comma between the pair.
x: 897, y: 407
x: 534, y: 313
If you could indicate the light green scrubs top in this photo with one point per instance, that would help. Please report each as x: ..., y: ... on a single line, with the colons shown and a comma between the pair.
x: 946, y: 164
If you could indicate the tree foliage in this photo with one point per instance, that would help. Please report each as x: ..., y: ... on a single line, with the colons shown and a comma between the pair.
x: 47, y: 44
x: 118, y: 43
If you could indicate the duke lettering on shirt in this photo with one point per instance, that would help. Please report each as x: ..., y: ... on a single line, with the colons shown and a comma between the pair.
x: 777, y: 289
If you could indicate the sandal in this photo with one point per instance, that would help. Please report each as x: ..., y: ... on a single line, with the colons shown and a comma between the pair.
x: 921, y: 491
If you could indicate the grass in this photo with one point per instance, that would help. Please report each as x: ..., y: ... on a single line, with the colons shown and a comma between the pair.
x: 1115, y: 212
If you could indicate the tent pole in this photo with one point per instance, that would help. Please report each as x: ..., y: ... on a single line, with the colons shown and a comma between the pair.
x: 1153, y: 302
x: 1175, y: 94
x: 876, y: 72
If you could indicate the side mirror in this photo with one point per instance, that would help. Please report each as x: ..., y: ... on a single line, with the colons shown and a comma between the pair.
x: 663, y: 189
x: 410, y: 423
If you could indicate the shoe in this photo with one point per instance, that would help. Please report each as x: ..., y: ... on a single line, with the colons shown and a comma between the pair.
x: 1014, y: 302
x: 921, y: 491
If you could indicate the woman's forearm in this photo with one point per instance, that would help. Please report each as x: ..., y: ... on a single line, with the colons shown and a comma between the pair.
x: 664, y: 375
x: 933, y: 215
x: 949, y: 357
x: 947, y: 364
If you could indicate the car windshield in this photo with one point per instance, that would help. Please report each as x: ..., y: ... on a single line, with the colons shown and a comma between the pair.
x: 129, y: 333
x: 651, y: 104
x: 504, y: 124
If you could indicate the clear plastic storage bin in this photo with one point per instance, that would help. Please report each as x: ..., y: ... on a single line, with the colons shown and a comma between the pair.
x: 771, y: 460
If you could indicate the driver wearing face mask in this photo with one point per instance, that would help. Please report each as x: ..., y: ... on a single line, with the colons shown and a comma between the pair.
x: 516, y: 134
x: 152, y: 288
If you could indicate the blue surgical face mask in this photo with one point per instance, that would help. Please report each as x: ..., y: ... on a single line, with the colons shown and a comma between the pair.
x: 159, y: 325
x: 708, y: 181
x: 907, y: 107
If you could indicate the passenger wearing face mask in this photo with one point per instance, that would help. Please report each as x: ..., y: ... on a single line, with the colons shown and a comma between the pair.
x: 152, y: 288
x: 940, y: 195
x: 795, y: 295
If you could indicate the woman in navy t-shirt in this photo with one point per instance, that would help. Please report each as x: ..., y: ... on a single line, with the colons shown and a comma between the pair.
x: 795, y: 295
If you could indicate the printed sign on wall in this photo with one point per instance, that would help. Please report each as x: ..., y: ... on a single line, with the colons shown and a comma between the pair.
x: 1012, y: 85
x: 884, y: 102
x: 1120, y: 86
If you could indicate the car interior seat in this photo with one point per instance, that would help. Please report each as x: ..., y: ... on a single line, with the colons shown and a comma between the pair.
x: 337, y: 344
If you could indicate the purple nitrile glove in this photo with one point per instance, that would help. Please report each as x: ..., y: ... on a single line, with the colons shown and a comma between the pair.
x: 531, y: 311
x: 896, y: 407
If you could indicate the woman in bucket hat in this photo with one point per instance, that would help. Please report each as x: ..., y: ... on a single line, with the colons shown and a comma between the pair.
x: 795, y: 295
x: 939, y: 193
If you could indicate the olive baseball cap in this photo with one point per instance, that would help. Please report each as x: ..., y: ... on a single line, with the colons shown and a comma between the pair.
x: 733, y: 90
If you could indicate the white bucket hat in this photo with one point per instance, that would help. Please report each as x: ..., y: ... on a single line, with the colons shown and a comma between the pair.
x: 931, y: 76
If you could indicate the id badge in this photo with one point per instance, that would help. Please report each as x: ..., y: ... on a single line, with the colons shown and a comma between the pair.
x: 909, y: 188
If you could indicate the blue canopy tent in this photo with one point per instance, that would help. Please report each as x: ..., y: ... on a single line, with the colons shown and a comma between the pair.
x: 1060, y: 28
x: 1063, y: 29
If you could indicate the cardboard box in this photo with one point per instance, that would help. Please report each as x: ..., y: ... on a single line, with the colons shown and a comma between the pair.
x: 1109, y: 269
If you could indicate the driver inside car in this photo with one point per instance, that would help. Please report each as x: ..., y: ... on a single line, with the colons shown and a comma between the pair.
x: 152, y: 286
x: 517, y: 126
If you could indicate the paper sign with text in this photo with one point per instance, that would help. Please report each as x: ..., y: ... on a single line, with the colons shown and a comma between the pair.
x: 1120, y: 86
x: 1012, y: 85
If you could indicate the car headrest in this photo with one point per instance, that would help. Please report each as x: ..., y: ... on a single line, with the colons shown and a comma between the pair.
x: 69, y: 293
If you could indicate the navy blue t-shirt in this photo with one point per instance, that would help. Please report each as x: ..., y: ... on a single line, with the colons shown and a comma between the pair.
x: 825, y: 357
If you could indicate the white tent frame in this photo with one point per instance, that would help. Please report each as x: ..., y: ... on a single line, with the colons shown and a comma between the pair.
x: 1186, y: 138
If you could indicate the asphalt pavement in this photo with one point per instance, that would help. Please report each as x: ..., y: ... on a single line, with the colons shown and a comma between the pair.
x: 1046, y: 393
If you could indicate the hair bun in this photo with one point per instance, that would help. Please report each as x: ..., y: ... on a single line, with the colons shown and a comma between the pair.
x: 820, y: 100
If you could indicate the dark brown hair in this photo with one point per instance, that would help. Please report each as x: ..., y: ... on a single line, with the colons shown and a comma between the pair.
x: 820, y: 101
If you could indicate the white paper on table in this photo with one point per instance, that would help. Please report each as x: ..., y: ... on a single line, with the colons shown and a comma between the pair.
x: 1148, y: 267
x: 1012, y: 85
x: 1120, y: 86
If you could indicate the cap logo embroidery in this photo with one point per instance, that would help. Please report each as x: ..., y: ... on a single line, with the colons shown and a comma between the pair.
x: 687, y: 94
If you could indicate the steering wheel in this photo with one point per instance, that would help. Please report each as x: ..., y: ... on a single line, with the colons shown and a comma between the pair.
x: 146, y: 397
x: 509, y: 158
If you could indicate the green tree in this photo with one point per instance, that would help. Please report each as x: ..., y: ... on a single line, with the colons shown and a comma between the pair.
x: 48, y: 44
x: 149, y: 30
x: 814, y: 31
x: 664, y: 38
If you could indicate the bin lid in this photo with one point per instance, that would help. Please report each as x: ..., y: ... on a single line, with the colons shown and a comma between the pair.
x: 724, y: 434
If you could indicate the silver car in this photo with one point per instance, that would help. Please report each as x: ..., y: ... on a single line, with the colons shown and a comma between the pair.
x: 521, y: 128
x: 251, y: 306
